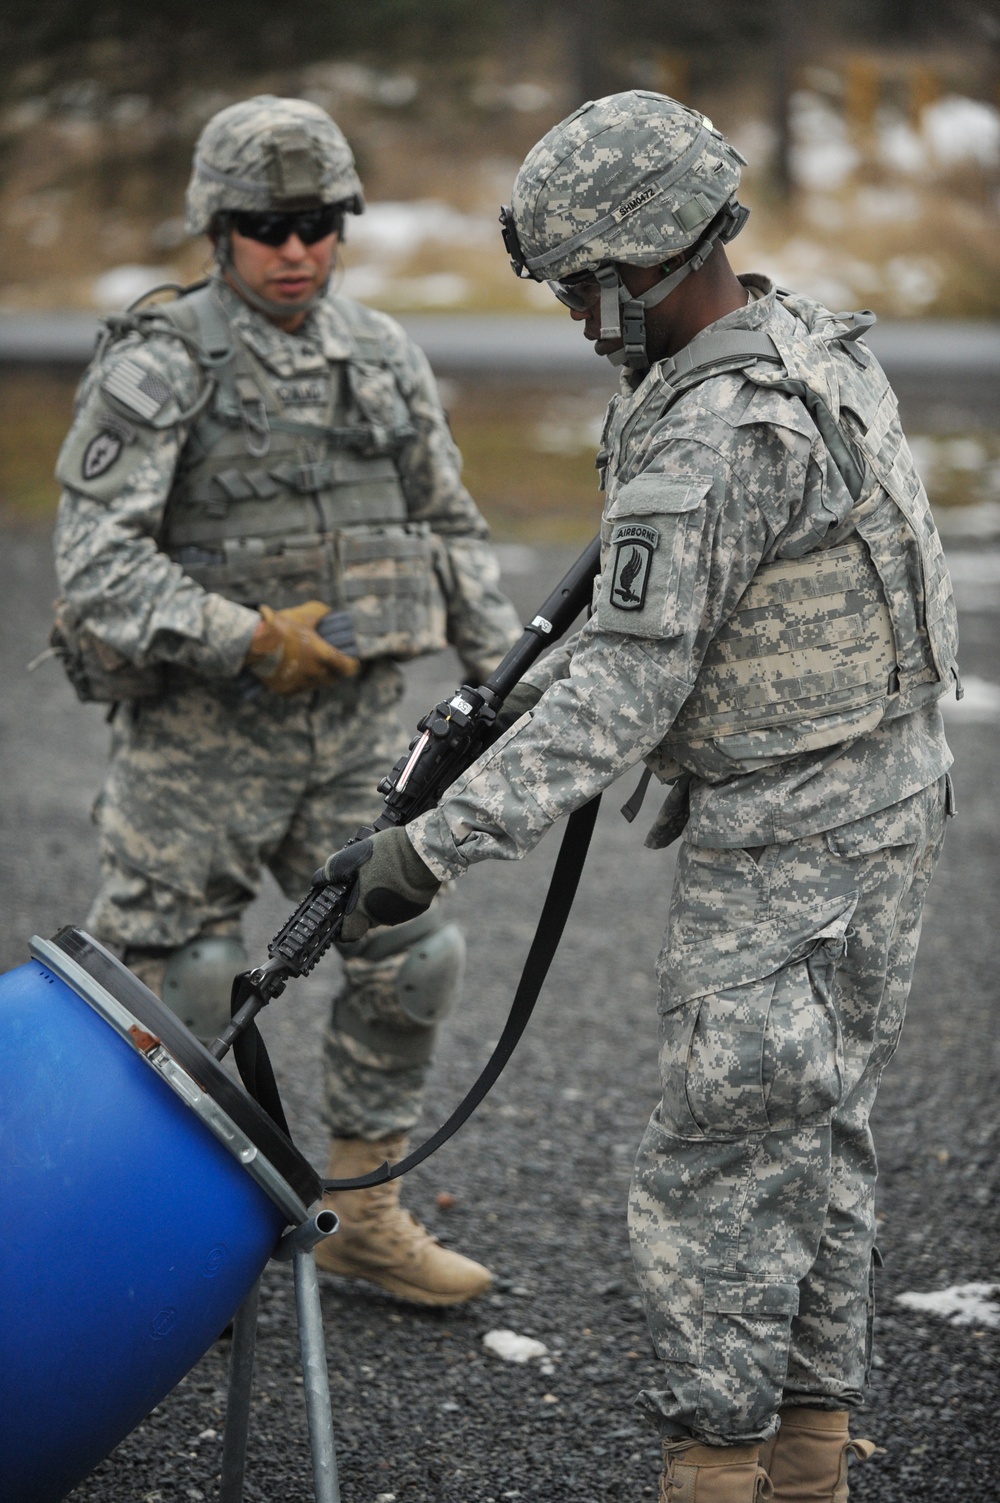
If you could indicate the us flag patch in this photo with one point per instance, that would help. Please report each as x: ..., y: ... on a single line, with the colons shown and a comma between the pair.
x: 634, y: 545
x: 136, y: 388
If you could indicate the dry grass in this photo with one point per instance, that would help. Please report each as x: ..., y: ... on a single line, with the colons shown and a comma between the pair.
x: 35, y: 411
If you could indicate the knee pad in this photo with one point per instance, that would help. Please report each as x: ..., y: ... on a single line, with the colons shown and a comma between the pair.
x: 399, y: 986
x: 430, y: 977
x: 198, y: 982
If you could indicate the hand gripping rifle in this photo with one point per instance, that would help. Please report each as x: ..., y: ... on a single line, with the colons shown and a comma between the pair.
x: 450, y: 738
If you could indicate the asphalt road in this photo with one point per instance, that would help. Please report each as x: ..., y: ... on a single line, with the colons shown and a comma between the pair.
x: 512, y: 341
x: 423, y: 1413
x: 946, y: 371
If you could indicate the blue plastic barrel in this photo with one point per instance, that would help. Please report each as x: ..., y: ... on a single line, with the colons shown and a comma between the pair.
x: 141, y: 1194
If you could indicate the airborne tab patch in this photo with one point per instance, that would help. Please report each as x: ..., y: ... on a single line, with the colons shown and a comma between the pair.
x: 634, y: 544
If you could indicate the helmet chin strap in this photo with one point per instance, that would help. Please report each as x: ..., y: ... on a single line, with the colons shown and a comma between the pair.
x: 265, y: 305
x: 623, y: 314
x: 630, y: 315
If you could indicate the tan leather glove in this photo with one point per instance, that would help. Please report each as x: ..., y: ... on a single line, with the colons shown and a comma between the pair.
x: 290, y: 657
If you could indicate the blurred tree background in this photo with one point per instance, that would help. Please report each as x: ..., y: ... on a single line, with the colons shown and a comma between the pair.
x: 871, y: 126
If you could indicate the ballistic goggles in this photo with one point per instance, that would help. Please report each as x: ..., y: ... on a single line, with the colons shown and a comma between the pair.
x: 274, y: 229
x: 579, y: 291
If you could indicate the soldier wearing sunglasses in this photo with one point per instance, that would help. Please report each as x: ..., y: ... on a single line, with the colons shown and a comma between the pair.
x: 262, y: 516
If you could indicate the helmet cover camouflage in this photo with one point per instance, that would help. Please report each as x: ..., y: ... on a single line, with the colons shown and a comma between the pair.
x: 634, y: 178
x: 268, y: 153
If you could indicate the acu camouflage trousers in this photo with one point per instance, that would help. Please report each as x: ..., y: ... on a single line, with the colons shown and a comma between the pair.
x: 784, y: 978
x: 205, y: 788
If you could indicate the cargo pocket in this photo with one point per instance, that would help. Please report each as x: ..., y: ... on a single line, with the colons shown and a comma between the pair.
x: 905, y: 823
x: 754, y: 1058
x: 390, y: 585
x: 148, y: 829
x: 750, y: 1038
x: 747, y: 1323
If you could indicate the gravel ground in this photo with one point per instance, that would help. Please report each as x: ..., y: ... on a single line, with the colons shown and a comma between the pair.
x: 423, y: 1413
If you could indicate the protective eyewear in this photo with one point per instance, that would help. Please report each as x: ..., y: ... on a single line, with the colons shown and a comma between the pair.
x: 579, y: 295
x: 274, y: 229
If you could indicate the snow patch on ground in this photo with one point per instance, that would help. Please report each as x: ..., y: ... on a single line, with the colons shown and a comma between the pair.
x: 822, y: 156
x: 511, y: 1347
x: 121, y: 285
x: 385, y: 239
x: 397, y: 229
x: 952, y: 131
x: 962, y: 130
x: 961, y: 1305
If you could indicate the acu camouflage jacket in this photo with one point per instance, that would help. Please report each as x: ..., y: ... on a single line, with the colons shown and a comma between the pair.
x: 774, y: 622
x: 216, y: 463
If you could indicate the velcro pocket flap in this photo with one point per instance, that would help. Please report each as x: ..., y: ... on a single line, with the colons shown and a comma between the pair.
x: 653, y: 493
x: 732, y: 1295
x: 736, y: 946
x: 905, y: 823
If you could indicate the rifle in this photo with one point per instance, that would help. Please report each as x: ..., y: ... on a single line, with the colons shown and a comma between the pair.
x: 449, y: 739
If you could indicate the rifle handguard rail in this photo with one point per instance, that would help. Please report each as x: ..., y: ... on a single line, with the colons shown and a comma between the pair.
x: 449, y: 739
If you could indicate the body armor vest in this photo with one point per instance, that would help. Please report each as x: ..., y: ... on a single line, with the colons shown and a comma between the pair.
x: 820, y: 648
x: 266, y: 509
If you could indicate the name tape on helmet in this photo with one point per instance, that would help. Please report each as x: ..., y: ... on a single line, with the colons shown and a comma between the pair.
x: 636, y: 201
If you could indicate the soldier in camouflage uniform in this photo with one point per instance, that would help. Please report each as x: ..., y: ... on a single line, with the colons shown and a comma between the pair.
x: 262, y: 515
x: 771, y: 634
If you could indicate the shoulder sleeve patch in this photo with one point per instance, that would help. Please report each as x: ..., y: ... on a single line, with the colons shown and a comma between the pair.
x: 633, y: 545
x: 102, y: 450
x: 653, y: 535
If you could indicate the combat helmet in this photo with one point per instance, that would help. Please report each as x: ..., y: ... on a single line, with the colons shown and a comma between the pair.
x: 633, y: 178
x: 262, y: 154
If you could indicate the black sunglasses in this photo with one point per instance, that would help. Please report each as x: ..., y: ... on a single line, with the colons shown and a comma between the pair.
x: 274, y: 229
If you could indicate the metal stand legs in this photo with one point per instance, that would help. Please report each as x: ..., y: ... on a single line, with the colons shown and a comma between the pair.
x: 314, y: 1378
x: 234, y: 1440
x: 296, y: 1246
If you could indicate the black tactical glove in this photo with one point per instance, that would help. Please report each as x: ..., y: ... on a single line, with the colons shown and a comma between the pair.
x: 521, y: 699
x: 392, y: 883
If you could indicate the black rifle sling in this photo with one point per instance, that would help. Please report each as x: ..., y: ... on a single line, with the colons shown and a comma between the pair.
x: 257, y: 1073
x: 555, y: 911
x: 256, y: 1070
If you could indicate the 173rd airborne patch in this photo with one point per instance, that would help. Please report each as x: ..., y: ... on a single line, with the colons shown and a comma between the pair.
x: 634, y: 545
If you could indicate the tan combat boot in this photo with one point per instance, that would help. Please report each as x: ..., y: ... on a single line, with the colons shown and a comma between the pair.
x: 807, y: 1459
x: 693, y: 1473
x: 384, y: 1244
